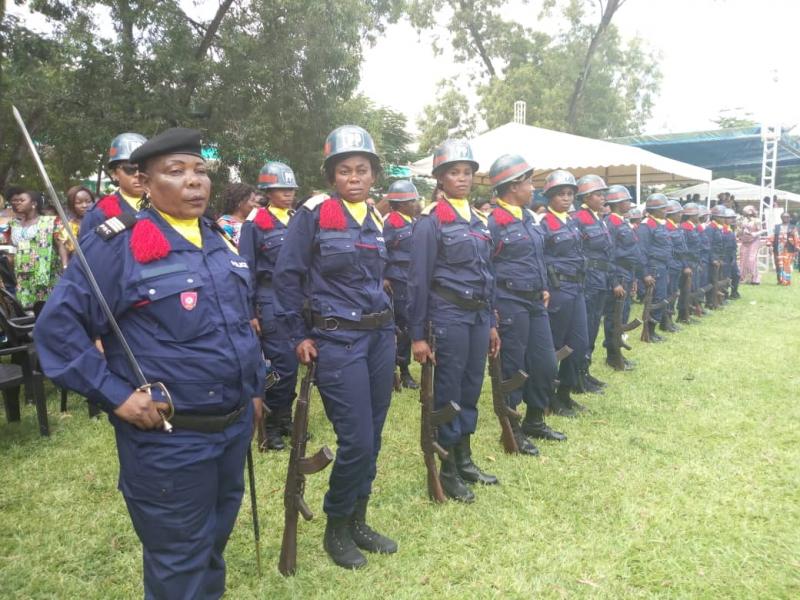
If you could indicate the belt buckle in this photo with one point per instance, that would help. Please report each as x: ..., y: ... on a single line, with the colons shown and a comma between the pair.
x: 334, y: 321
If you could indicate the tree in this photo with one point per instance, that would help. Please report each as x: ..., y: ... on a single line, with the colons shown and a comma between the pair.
x: 448, y: 116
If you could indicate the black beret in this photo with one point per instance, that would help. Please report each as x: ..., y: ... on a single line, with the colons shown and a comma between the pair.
x: 178, y: 140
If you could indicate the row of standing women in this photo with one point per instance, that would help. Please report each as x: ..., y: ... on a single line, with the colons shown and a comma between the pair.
x: 329, y: 283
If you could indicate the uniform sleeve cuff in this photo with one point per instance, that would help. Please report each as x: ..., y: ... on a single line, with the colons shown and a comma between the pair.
x: 113, y: 393
x: 417, y: 332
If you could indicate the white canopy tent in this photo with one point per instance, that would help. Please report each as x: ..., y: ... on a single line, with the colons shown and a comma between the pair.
x: 744, y: 192
x: 548, y: 150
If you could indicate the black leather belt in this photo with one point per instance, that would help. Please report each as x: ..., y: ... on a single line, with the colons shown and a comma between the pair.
x: 570, y: 278
x: 207, y: 423
x: 453, y: 297
x: 628, y: 265
x: 600, y: 265
x: 367, y: 322
x: 508, y: 284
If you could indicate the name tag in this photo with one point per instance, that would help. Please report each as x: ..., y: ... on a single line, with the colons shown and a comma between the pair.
x: 241, y: 264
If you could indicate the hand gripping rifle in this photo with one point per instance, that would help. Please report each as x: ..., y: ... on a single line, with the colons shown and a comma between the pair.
x: 143, y: 384
x: 500, y: 390
x: 299, y: 467
x: 429, y: 421
x: 618, y: 331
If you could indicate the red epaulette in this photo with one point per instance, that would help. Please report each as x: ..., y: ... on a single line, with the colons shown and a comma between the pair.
x: 701, y: 227
x: 553, y: 222
x: 444, y: 212
x: 726, y: 228
x: 651, y: 223
x: 109, y: 205
x: 714, y: 224
x: 264, y: 220
x: 396, y: 220
x: 687, y: 226
x: 331, y: 215
x: 502, y: 217
x: 615, y: 219
x: 584, y: 217
x: 148, y: 243
x: 670, y: 225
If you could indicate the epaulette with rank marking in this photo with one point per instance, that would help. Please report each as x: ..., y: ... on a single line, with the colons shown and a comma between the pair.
x: 427, y: 210
x: 115, y: 225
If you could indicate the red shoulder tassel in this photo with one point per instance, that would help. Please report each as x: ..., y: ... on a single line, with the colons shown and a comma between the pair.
x: 584, y: 217
x: 331, y: 215
x: 616, y: 219
x: 553, y: 222
x: 110, y: 207
x: 395, y: 220
x: 651, y: 223
x: 502, y: 217
x: 148, y: 242
x: 264, y: 220
x: 444, y: 212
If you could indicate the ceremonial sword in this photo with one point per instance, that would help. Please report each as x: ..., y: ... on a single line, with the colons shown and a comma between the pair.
x: 144, y: 385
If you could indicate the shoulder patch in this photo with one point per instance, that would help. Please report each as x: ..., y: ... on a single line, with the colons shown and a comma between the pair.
x: 109, y: 206
x: 115, y: 225
x: 148, y: 242
x: 502, y: 217
x: 553, y: 222
x: 584, y: 217
x: 429, y: 208
x: 395, y: 220
x: 331, y: 215
x: 263, y: 219
x: 315, y: 201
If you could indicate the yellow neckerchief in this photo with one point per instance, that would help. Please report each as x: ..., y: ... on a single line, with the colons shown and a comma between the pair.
x: 561, y: 216
x: 188, y: 228
x: 659, y: 221
x: 462, y: 207
x: 405, y: 217
x: 596, y: 216
x: 671, y: 221
x: 514, y: 210
x: 359, y: 210
x: 133, y: 201
x: 282, y: 214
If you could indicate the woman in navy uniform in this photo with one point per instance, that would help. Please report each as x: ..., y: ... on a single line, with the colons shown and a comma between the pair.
x: 691, y: 235
x: 677, y: 263
x: 333, y: 261
x: 260, y: 241
x: 180, y: 294
x: 566, y: 267
x: 657, y: 249
x: 521, y: 299
x: 451, y: 292
x: 404, y: 201
x: 125, y: 174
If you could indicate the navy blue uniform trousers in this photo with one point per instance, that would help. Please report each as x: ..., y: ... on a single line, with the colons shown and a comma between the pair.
x: 661, y: 275
x: 400, y: 306
x: 567, y: 312
x: 610, y: 307
x: 183, y: 544
x: 354, y: 377
x: 527, y: 345
x: 278, y: 350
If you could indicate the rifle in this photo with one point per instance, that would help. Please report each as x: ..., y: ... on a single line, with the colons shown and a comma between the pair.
x: 563, y: 353
x: 617, y: 332
x: 500, y: 389
x: 715, y: 286
x: 299, y: 467
x: 684, y: 297
x: 647, y: 307
x: 429, y: 421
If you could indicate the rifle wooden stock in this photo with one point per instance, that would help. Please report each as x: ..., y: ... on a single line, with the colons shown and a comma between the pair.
x: 430, y: 419
x: 647, y: 305
x: 563, y: 353
x: 299, y: 466
x: 684, y: 297
x: 500, y: 389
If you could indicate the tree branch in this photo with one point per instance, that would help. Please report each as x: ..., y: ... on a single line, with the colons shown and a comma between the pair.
x: 477, y: 39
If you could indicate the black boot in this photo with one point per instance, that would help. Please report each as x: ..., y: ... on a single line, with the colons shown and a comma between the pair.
x: 667, y: 324
x: 406, y: 379
x: 272, y: 439
x: 654, y: 337
x: 452, y: 484
x: 523, y: 443
x: 592, y: 380
x: 339, y: 544
x: 468, y: 470
x: 364, y: 536
x: 562, y: 403
x: 535, y: 427
x: 617, y: 361
x: 588, y: 383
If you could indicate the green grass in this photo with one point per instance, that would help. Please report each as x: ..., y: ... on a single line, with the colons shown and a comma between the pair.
x: 684, y: 482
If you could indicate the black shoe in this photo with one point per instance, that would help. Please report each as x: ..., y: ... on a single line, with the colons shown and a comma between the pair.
x: 270, y: 438
x: 562, y: 403
x: 590, y: 387
x: 364, y: 536
x: 577, y: 406
x: 407, y: 380
x: 654, y: 337
x: 591, y: 379
x: 467, y: 469
x: 535, y: 427
x: 523, y: 443
x: 339, y: 544
x: 452, y: 484
x: 735, y: 295
x: 630, y: 365
x: 619, y: 362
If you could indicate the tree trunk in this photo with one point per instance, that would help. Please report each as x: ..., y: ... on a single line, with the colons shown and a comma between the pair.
x: 477, y: 39
x: 202, y: 49
x: 607, y: 14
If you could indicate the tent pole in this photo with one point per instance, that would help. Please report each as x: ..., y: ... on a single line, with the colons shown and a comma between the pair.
x: 708, y: 196
x: 638, y: 185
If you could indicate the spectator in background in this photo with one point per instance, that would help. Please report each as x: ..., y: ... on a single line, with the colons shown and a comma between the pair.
x: 749, y: 234
x: 238, y: 200
x: 33, y: 236
x: 784, y: 246
x: 79, y: 200
x: 484, y: 207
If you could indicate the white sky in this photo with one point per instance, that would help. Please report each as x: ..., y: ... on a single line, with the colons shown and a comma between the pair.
x: 715, y: 55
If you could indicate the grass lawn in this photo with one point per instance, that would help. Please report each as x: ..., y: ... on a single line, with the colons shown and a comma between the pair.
x: 684, y: 482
